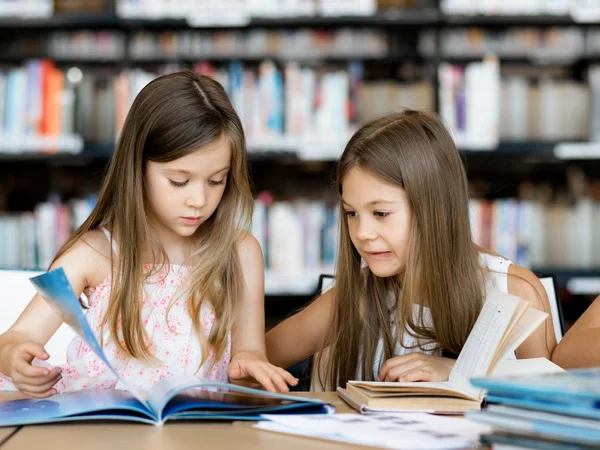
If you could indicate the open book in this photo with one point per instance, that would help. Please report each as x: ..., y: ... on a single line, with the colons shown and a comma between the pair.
x: 177, y: 397
x: 504, y: 323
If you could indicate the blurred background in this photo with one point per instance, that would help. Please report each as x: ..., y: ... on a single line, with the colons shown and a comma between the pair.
x: 517, y: 80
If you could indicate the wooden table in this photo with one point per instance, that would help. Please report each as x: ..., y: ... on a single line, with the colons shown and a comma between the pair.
x: 176, y: 435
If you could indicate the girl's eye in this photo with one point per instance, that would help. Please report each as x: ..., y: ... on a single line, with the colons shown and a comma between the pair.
x: 350, y: 213
x: 217, y: 183
x: 381, y: 213
x: 179, y: 183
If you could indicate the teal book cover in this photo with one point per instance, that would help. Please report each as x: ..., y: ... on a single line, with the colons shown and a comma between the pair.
x: 563, y: 406
x: 579, y: 385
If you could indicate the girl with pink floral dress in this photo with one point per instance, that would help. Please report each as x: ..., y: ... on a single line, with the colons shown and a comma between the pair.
x: 174, y: 283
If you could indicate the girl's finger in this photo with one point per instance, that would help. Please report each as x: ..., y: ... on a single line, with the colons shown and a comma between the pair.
x: 264, y: 379
x: 25, y: 369
x: 396, y: 370
x: 279, y: 382
x: 234, y: 371
x: 37, y: 381
x: 35, y: 391
x: 416, y: 375
x: 33, y: 350
x: 48, y: 393
x: 288, y: 377
x: 401, y: 359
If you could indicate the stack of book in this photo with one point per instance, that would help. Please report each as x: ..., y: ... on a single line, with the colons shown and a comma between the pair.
x: 551, y: 411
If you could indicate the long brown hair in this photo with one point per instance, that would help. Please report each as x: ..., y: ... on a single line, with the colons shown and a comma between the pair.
x: 171, y: 117
x: 412, y: 150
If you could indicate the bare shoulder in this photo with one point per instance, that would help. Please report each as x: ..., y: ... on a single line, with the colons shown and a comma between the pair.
x: 524, y: 284
x: 590, y: 318
x: 248, y: 248
x: 89, y: 259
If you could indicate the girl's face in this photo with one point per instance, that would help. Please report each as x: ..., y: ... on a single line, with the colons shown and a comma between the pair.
x: 379, y: 220
x: 182, y: 194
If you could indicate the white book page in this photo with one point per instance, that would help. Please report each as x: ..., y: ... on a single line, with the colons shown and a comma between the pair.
x: 417, y: 430
x: 481, y: 346
x: 414, y: 387
x: 528, y: 366
x: 512, y: 327
x: 532, y: 319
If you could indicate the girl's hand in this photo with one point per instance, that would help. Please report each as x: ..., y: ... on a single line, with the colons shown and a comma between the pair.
x: 416, y: 367
x: 250, y: 368
x: 31, y: 380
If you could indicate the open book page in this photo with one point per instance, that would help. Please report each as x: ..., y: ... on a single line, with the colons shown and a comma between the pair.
x: 168, y: 388
x: 518, y: 315
x: 477, y: 355
x: 529, y: 366
x: 108, y: 404
x: 414, y: 388
x: 530, y: 321
x: 55, y: 288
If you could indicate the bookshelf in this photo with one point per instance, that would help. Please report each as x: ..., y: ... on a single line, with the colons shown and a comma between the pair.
x: 406, y: 53
x: 550, y: 152
x: 506, y: 20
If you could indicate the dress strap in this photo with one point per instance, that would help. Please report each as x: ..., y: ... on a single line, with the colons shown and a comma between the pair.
x: 113, y: 243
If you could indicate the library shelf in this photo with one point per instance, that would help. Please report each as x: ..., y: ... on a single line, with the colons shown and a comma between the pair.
x: 543, y: 151
x: 62, y: 21
x: 532, y: 151
x: 388, y: 59
x: 508, y: 19
x: 109, y: 20
x: 389, y: 18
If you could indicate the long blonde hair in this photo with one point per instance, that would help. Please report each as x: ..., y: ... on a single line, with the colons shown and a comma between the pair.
x: 171, y: 117
x: 412, y: 150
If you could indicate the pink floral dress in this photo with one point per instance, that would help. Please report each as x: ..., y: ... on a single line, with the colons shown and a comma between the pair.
x: 174, y: 343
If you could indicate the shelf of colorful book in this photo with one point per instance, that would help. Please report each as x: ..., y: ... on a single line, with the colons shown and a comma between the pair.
x: 388, y: 59
x: 282, y: 58
x: 533, y: 60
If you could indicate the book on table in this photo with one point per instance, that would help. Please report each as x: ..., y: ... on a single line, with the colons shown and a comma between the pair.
x: 173, y: 398
x: 504, y: 323
x: 563, y: 407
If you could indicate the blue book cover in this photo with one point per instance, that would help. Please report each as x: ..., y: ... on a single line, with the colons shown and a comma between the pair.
x: 580, y: 386
x: 539, y: 427
x: 177, y: 397
x: 587, y: 410
x: 525, y: 442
